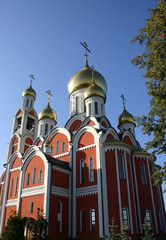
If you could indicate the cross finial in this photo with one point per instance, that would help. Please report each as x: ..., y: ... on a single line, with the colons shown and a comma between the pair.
x: 122, y: 96
x: 32, y: 78
x: 93, y: 77
x: 49, y: 94
x: 84, y: 44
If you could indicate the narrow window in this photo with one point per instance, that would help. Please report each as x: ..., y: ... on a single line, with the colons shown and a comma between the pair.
x: 76, y: 104
x: 34, y: 176
x: 96, y: 108
x: 82, y: 221
x: 41, y: 129
x: 31, y: 104
x: 16, y: 184
x: 121, y: 167
x: 59, y: 220
x: 91, y: 170
x: 51, y: 127
x: 101, y: 109
x: 125, y: 218
x: 11, y: 187
x: 31, y: 207
x: 143, y: 176
x: 40, y: 176
x: 92, y: 220
x: 57, y: 147
x: 46, y: 129
x: 1, y: 196
x: 82, y: 171
x: 27, y: 102
x: 148, y: 218
x: 63, y: 147
x: 89, y: 108
x: 27, y: 179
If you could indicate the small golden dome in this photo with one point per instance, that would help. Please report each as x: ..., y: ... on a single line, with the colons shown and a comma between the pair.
x: 29, y: 91
x: 83, y: 79
x: 47, y: 143
x: 125, y: 117
x: 47, y: 112
x: 94, y: 90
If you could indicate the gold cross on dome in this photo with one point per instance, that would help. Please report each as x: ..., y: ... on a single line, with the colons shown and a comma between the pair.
x: 32, y: 78
x: 49, y: 94
x: 84, y: 44
x: 122, y: 96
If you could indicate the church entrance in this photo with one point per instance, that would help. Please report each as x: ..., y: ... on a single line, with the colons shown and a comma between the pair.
x: 28, y: 228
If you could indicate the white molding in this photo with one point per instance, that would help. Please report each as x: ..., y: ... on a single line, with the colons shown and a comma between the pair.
x: 60, y: 191
x: 61, y: 169
x: 86, y: 190
x: 15, y: 169
x: 86, y: 147
x: 26, y: 192
x: 114, y: 147
x: 151, y: 191
x: 61, y: 155
x: 11, y: 202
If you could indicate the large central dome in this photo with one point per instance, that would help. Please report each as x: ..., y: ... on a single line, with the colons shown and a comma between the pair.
x: 83, y: 79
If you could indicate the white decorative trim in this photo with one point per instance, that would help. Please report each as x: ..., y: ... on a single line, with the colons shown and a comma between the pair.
x: 61, y: 155
x: 86, y: 190
x: 61, y: 169
x: 151, y: 191
x: 11, y: 202
x: 60, y: 191
x: 119, y: 148
x: 33, y: 191
x: 86, y: 147
x: 15, y: 169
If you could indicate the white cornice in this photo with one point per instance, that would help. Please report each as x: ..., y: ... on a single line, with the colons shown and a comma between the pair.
x: 33, y: 191
x: 11, y: 202
x: 60, y: 191
x: 61, y: 155
x: 86, y: 191
x: 86, y: 147
x: 15, y: 169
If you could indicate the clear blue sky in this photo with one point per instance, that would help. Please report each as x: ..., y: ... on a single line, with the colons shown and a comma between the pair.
x: 43, y: 37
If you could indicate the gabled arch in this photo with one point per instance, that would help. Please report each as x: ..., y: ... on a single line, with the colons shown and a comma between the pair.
x: 75, y: 118
x: 13, y: 157
x: 39, y: 141
x: 2, y: 175
x: 90, y: 121
x: 128, y: 138
x: 110, y: 134
x: 106, y: 121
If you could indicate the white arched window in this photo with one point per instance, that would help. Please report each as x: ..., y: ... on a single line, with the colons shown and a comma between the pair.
x: 40, y: 176
x: 92, y: 220
x: 91, y: 170
x: 46, y: 129
x: 143, y: 175
x: 89, y: 106
x: 59, y: 217
x: 82, y: 220
x: 63, y: 147
x: 82, y: 171
x: 57, y: 147
x: 96, y: 108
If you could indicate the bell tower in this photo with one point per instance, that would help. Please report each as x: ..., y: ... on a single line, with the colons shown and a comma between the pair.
x: 24, y: 130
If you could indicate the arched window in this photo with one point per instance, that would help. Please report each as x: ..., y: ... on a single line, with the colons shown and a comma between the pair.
x: 92, y: 220
x: 76, y: 104
x: 57, y: 147
x: 27, y: 102
x: 101, y: 109
x: 89, y: 106
x: 148, y: 218
x: 82, y: 171
x: 11, y: 187
x: 46, y: 129
x: 125, y: 218
x: 96, y: 108
x: 16, y: 184
x: 82, y: 220
x: 41, y: 129
x: 91, y: 170
x: 31, y: 207
x: 31, y: 104
x: 143, y: 175
x: 59, y: 222
x: 40, y: 176
x: 34, y: 176
x: 63, y: 147
x: 27, y: 179
x: 121, y: 167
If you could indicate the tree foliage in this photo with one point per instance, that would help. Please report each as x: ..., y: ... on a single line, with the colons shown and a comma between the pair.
x: 153, y: 59
x: 147, y: 231
x: 40, y: 228
x: 113, y: 230
x: 14, y: 229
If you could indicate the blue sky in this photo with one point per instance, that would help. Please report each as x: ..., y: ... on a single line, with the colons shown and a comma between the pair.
x: 43, y: 37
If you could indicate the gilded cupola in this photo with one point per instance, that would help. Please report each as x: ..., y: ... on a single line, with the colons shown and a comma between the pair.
x: 30, y: 91
x: 125, y: 117
x: 47, y: 112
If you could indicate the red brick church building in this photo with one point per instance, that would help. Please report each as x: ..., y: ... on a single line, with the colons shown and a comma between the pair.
x: 83, y: 174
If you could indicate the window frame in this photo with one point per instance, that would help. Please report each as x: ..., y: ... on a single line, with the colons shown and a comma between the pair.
x: 143, y: 173
x: 57, y: 147
x: 91, y: 170
x: 82, y: 171
x: 31, y: 207
x: 92, y: 220
x: 125, y: 218
x: 121, y: 167
x: 34, y: 175
x: 11, y: 187
x: 16, y: 186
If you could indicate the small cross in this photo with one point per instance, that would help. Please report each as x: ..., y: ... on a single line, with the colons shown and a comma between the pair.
x: 93, y: 77
x: 122, y: 96
x: 32, y: 77
x: 84, y: 44
x: 49, y: 94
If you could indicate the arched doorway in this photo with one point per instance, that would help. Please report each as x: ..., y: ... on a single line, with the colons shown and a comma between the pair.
x: 28, y: 227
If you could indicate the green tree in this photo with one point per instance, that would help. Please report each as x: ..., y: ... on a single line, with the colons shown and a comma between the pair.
x: 112, y: 230
x: 153, y: 37
x: 147, y: 231
x: 40, y: 228
x: 14, y: 229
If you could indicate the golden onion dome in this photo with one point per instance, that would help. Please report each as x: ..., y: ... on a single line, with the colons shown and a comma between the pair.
x: 47, y: 143
x: 83, y: 79
x: 94, y: 90
x: 29, y: 91
x: 47, y: 112
x: 125, y: 117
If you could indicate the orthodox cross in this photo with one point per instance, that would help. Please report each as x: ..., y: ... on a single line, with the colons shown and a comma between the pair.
x: 49, y: 94
x: 122, y: 96
x: 84, y: 44
x: 32, y: 78
x: 93, y: 77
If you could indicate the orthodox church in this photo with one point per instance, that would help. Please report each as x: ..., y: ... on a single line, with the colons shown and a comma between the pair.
x: 83, y: 175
